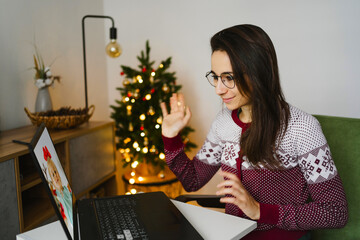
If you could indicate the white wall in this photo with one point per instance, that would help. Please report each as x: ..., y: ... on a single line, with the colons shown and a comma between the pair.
x: 55, y: 27
x: 317, y: 43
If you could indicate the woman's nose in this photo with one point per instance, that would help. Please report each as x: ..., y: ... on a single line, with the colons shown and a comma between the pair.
x: 220, y: 88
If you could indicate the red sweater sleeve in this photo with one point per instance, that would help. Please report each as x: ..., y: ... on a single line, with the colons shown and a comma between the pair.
x: 193, y: 174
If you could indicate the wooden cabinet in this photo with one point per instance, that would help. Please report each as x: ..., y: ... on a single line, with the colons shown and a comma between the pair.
x: 87, y: 154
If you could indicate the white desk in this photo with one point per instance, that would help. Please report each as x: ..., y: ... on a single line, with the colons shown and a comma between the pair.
x: 211, y: 225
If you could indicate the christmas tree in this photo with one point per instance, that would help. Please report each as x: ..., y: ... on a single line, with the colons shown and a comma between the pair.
x: 138, y: 116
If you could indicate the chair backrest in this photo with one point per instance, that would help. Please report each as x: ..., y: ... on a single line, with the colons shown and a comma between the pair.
x: 343, y: 136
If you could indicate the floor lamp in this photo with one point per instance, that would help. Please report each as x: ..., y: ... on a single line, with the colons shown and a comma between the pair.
x: 113, y: 49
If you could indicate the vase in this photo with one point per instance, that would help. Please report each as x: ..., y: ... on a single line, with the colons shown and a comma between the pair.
x: 43, y: 100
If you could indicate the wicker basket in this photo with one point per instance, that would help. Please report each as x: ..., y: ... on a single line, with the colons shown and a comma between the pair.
x: 60, y: 122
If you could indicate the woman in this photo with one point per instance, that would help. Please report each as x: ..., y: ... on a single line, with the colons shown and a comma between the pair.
x: 273, y: 156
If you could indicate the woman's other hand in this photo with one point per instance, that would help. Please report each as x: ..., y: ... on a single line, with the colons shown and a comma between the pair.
x: 178, y: 117
x: 238, y: 195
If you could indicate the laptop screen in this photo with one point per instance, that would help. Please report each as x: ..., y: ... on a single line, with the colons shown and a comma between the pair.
x: 53, y: 173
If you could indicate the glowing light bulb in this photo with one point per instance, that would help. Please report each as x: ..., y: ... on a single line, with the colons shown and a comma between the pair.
x: 153, y: 149
x: 134, y: 164
x: 159, y: 120
x: 162, y: 156
x: 145, y: 150
x: 135, y: 145
x: 153, y: 74
x: 148, y: 97
x: 140, y: 178
x: 132, y: 173
x: 113, y: 49
x: 142, y: 117
x: 131, y: 181
x: 133, y: 191
x: 157, y: 126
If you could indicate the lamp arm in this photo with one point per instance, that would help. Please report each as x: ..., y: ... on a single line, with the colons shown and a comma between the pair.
x: 84, y: 47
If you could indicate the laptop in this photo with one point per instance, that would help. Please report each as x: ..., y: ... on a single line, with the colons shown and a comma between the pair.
x: 140, y: 216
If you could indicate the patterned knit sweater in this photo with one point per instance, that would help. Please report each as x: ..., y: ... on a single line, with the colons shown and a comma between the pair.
x: 309, y: 172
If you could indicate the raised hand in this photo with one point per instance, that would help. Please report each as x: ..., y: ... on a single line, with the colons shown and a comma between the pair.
x: 239, y: 195
x: 178, y: 117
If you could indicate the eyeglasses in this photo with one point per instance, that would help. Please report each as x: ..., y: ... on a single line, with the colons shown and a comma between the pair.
x: 226, y: 78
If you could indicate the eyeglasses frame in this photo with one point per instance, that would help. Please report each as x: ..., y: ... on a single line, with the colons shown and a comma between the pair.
x: 222, y: 80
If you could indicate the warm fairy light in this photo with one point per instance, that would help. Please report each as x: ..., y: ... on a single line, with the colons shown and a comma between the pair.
x: 128, y: 193
x: 157, y: 126
x: 138, y: 149
x: 129, y: 107
x: 148, y: 97
x: 128, y: 159
x: 131, y: 128
x: 151, y: 111
x: 131, y: 181
x: 133, y: 191
x: 135, y: 144
x: 140, y: 178
x: 161, y: 65
x: 122, y: 150
x: 127, y: 150
x: 132, y: 173
x: 159, y: 120
x: 145, y: 150
x: 142, y: 134
x: 153, y: 149
x: 162, y: 156
x: 142, y: 117
x: 126, y: 140
x: 139, y: 78
x: 132, y: 100
x: 134, y: 164
x: 127, y: 99
x: 153, y: 74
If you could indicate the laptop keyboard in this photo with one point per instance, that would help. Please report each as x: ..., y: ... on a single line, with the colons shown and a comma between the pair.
x: 118, y: 219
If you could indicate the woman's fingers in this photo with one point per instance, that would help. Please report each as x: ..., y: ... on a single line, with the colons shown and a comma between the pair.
x: 229, y: 175
x: 174, y: 103
x: 187, y: 115
x: 235, y: 193
x: 163, y: 109
x: 177, y: 103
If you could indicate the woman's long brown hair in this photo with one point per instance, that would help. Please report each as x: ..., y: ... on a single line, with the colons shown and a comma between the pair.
x: 254, y: 63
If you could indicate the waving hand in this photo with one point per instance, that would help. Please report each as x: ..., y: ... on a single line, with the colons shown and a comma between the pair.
x: 178, y: 117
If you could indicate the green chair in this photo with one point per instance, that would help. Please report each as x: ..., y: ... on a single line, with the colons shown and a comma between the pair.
x: 343, y: 136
